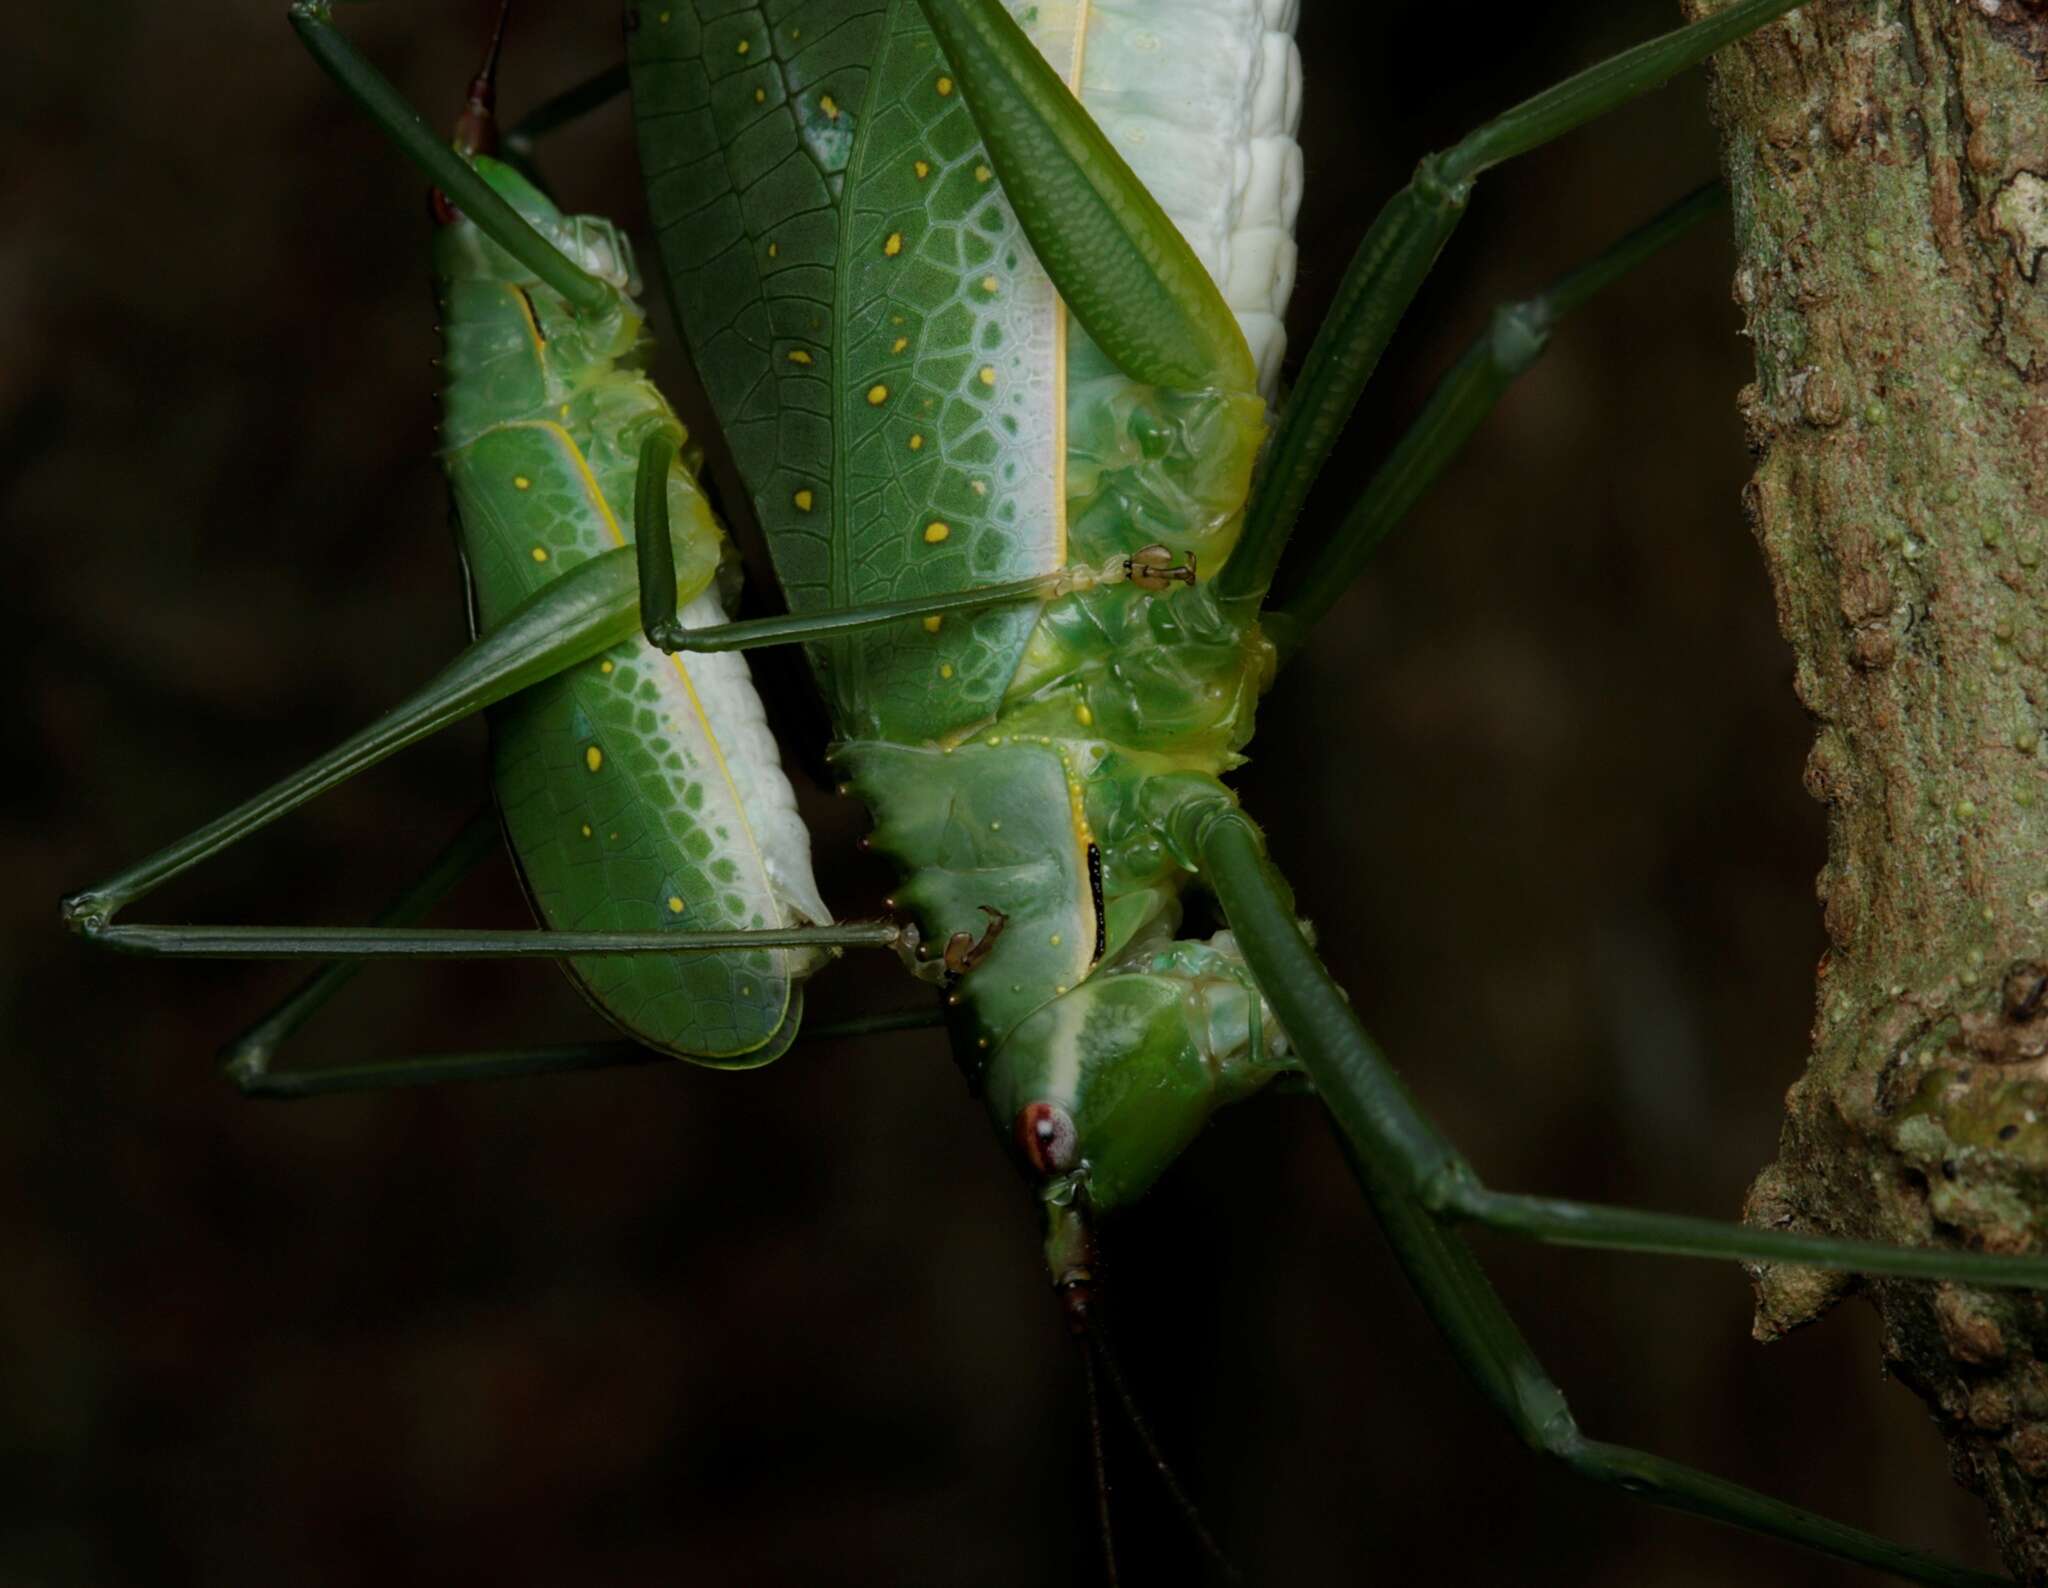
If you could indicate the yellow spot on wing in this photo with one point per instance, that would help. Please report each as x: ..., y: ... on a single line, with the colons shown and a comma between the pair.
x: 923, y: 168
x: 1083, y: 715
x: 945, y: 669
x: 593, y: 757
x: 931, y: 624
x: 604, y: 666
x: 936, y: 531
x: 893, y: 245
x: 540, y: 554
x: 988, y: 374
x: 877, y: 395
x: 774, y: 250
x: 917, y: 443
x: 798, y: 356
x: 829, y: 105
x: 675, y: 905
x: 945, y: 85
x: 760, y: 95
x: 989, y: 284
x: 982, y: 173
x: 586, y: 829
x: 899, y: 344
x: 745, y: 46
x: 521, y: 483
x: 803, y: 501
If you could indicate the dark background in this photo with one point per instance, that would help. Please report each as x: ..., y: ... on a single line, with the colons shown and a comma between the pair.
x: 1538, y: 783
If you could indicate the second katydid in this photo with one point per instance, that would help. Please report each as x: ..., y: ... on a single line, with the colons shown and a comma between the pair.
x: 1001, y: 424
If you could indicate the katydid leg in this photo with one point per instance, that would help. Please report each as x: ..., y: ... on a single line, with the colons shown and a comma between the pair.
x: 1488, y: 1344
x: 1117, y: 260
x: 1402, y: 1163
x: 447, y: 170
x: 586, y: 611
x: 655, y: 554
x: 1386, y: 1127
x: 421, y: 943
x: 502, y: 1064
x: 1401, y: 246
x: 246, y: 1060
x: 1511, y: 344
x: 435, y: 1069
x: 571, y: 104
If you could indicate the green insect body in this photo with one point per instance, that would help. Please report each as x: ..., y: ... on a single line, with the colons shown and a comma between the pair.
x: 638, y: 790
x: 1055, y: 486
x: 943, y: 422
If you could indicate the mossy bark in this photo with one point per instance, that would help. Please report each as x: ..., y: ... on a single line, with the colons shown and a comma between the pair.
x: 1889, y: 161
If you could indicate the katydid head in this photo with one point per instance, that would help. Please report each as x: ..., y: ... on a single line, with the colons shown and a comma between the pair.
x: 471, y: 263
x: 1103, y: 1087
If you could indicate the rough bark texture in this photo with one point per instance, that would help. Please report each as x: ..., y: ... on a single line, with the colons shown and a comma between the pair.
x: 1889, y: 160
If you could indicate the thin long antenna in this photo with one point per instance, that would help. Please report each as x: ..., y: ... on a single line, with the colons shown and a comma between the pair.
x: 1101, y: 1462
x: 1098, y: 1343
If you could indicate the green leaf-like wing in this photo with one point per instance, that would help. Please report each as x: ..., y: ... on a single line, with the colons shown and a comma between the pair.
x: 871, y: 326
x: 744, y: 164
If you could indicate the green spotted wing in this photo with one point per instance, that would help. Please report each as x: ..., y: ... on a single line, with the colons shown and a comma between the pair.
x: 883, y: 351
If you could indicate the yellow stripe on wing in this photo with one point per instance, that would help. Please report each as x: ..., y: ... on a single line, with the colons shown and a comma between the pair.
x: 595, y: 493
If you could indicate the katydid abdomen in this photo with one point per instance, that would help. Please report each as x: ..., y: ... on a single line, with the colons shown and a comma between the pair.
x: 638, y: 790
x: 945, y: 424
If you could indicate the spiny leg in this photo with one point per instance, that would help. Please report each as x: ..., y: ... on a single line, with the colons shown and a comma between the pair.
x: 1414, y: 1180
x: 1315, y: 575
x: 1401, y: 246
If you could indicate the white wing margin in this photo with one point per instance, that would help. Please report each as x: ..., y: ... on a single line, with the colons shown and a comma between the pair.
x: 739, y: 725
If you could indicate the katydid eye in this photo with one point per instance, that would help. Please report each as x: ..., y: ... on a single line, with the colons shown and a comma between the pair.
x: 1046, y: 1137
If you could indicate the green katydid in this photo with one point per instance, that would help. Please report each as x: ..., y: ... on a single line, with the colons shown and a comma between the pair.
x: 1015, y: 770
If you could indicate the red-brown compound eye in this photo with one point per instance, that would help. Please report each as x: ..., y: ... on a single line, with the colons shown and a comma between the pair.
x: 1046, y: 1137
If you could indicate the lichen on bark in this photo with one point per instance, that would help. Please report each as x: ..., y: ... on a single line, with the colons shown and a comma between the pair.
x: 1889, y: 164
